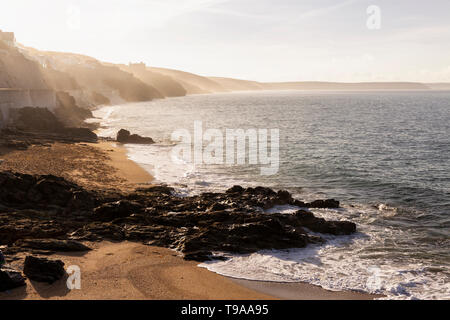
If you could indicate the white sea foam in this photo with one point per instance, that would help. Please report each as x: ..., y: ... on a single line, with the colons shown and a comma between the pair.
x: 340, y: 264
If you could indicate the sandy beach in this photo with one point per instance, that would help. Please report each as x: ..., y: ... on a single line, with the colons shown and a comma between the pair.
x: 134, y: 271
x: 102, y: 165
x: 128, y: 270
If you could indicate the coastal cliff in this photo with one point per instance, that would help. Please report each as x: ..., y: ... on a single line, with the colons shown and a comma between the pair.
x: 71, y: 85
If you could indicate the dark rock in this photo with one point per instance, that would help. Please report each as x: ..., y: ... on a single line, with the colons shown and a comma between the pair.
x: 329, y: 203
x: 284, y: 196
x: 124, y: 136
x: 10, y: 279
x: 53, y: 245
x: 42, y: 120
x: 81, y: 134
x: 2, y: 259
x: 68, y: 112
x: 198, y: 255
x: 235, y: 189
x: 98, y: 231
x: 35, y: 119
x: 43, y: 212
x: 165, y: 190
x: 218, y: 206
x: 27, y: 191
x: 43, y: 270
x: 118, y: 209
x: 308, y: 220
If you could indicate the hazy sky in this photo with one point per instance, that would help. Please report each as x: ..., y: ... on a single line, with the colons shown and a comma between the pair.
x: 276, y: 40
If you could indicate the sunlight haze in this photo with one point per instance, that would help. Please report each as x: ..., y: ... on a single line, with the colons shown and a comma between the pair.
x: 252, y: 39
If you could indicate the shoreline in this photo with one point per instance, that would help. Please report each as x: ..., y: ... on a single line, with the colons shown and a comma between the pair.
x: 275, y: 290
x: 105, y: 165
x: 301, y: 291
x: 127, y: 169
x: 132, y: 271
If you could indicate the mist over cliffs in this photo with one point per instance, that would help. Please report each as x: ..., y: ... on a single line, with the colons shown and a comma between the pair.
x: 72, y: 84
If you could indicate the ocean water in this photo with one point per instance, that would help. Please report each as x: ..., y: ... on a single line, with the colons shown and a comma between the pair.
x: 384, y: 155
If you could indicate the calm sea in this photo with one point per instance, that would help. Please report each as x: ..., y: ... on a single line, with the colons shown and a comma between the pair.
x: 384, y: 155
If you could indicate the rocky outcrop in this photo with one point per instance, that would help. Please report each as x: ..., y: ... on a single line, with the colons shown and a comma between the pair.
x: 117, y: 209
x: 48, y: 214
x: 18, y: 71
x: 36, y: 192
x: 68, y: 112
x: 43, y: 270
x: 53, y: 245
x: 20, y: 140
x: 10, y: 279
x: 34, y: 119
x: 124, y: 136
x: 42, y: 121
x: 308, y: 220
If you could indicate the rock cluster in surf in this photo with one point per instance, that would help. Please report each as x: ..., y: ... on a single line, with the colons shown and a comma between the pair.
x: 46, y: 214
x: 125, y: 136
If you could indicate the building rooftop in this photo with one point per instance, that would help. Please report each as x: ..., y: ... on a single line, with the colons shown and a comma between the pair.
x: 7, y: 36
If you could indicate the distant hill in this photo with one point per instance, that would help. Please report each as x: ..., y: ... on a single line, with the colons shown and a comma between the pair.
x: 194, y: 84
x: 230, y: 84
x: 316, y: 85
x: 438, y: 86
x: 165, y: 84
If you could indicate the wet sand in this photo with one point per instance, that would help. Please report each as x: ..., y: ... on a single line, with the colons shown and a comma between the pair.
x: 128, y: 270
x: 102, y: 165
x: 301, y: 291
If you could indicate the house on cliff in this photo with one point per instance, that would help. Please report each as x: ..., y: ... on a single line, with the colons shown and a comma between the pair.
x: 8, y: 38
x: 137, y: 66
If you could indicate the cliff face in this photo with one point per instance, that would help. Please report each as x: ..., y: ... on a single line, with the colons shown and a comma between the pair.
x: 17, y: 71
x: 11, y: 99
x: 88, y: 80
x: 194, y: 84
x: 110, y: 80
x: 72, y: 84
x: 166, y: 85
x: 26, y: 80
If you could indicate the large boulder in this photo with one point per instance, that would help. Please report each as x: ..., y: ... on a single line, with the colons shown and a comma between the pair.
x: 2, y: 259
x: 34, y: 191
x: 10, y: 279
x: 308, y: 220
x: 35, y: 119
x: 118, y: 209
x: 328, y: 203
x: 124, y: 136
x: 81, y: 134
x: 43, y: 270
